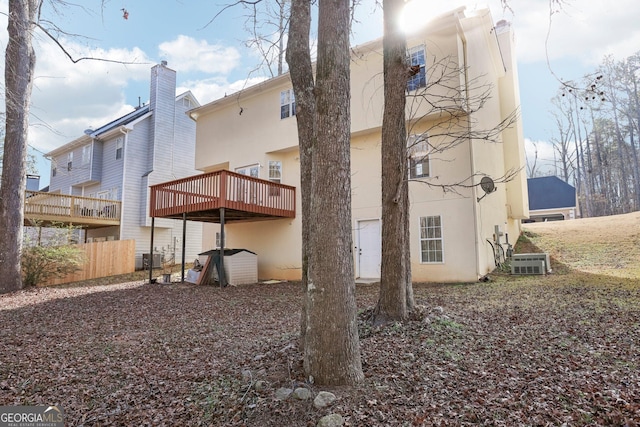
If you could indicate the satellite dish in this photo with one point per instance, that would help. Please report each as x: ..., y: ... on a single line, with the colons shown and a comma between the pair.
x: 487, y: 185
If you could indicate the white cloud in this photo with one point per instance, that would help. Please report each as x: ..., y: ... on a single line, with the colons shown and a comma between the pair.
x: 70, y: 97
x: 188, y: 54
x: 209, y: 90
x: 582, y: 30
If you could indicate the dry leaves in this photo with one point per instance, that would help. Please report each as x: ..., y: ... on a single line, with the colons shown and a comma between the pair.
x: 554, y: 350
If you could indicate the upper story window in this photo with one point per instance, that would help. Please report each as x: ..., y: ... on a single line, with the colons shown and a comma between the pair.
x: 275, y: 175
x: 417, y: 58
x: 86, y: 154
x: 110, y: 194
x: 287, y: 104
x: 54, y: 167
x: 119, y: 147
x: 70, y: 161
x: 418, y: 147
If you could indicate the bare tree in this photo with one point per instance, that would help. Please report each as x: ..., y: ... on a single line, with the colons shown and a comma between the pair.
x: 532, y: 165
x: 20, y: 61
x: 267, y: 23
x: 330, y: 344
x: 562, y: 143
x: 456, y: 106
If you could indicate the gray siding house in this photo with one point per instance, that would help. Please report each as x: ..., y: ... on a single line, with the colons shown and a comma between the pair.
x: 120, y: 160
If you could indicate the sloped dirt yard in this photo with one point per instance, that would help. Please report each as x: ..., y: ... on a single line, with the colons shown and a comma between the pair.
x: 561, y: 349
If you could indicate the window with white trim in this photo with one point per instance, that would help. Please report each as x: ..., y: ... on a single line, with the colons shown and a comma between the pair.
x: 86, y: 154
x: 418, y: 148
x: 287, y: 104
x: 431, y: 241
x: 416, y: 57
x: 119, y: 147
x: 70, y: 161
x: 275, y: 175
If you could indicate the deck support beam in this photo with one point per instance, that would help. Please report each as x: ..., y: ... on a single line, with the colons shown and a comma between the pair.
x: 151, y: 251
x: 222, y: 277
x: 184, y: 241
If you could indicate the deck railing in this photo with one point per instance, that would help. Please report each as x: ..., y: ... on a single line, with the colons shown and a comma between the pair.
x: 222, y: 189
x: 66, y: 208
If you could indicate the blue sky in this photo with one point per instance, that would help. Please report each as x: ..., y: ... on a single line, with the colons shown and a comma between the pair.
x: 212, y: 60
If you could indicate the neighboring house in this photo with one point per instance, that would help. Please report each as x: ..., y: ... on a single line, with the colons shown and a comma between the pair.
x: 254, y: 133
x: 120, y: 160
x: 551, y: 199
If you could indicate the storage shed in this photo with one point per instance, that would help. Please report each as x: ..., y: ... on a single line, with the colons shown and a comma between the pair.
x: 240, y: 266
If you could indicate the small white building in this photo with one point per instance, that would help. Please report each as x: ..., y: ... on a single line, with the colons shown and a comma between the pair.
x: 240, y: 265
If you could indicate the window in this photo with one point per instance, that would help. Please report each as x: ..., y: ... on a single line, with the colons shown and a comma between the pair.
x: 119, y: 147
x: 418, y: 147
x: 431, y: 239
x: 54, y: 171
x: 70, y: 161
x: 86, y: 154
x: 275, y: 175
x: 110, y: 194
x: 417, y: 58
x: 287, y: 104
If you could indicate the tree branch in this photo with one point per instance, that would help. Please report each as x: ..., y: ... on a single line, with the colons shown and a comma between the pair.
x: 84, y: 58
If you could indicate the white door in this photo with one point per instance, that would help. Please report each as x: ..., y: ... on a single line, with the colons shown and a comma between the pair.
x: 369, y: 248
x: 245, y: 191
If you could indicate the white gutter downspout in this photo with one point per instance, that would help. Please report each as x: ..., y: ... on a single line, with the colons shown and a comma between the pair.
x: 125, y: 132
x: 474, y: 193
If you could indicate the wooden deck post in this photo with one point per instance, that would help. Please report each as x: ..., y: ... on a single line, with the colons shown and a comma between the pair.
x: 151, y: 251
x: 221, y: 275
x: 184, y: 243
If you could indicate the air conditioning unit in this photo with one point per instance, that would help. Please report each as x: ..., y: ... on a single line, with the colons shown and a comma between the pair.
x: 157, y: 261
x: 527, y: 267
x: 530, y: 264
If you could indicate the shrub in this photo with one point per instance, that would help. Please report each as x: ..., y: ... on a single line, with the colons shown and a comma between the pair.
x: 40, y: 263
x: 47, y: 252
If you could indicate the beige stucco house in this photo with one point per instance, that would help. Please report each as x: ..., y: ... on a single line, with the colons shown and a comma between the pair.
x: 254, y: 133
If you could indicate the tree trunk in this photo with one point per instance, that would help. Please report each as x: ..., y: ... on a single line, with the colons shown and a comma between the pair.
x: 395, y: 280
x: 330, y: 338
x: 299, y: 58
x: 20, y: 62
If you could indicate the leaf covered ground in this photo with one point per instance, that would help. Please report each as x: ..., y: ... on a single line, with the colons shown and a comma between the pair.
x: 562, y: 349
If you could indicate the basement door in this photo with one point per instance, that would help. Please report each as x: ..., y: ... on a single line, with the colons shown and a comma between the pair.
x: 369, y: 248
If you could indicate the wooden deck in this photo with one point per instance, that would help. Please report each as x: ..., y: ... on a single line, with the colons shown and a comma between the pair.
x: 244, y: 198
x: 87, y: 212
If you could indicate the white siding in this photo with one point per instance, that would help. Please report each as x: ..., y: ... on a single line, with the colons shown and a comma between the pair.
x: 241, y: 268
